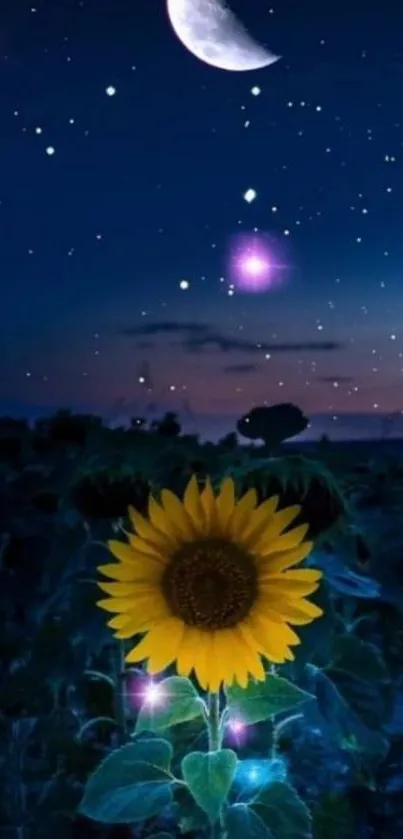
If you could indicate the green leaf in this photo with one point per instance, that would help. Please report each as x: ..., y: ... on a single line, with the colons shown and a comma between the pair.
x: 190, y: 817
x: 209, y: 777
x: 336, y: 704
x: 131, y: 784
x: 283, y: 812
x: 180, y: 703
x: 359, y: 657
x: 240, y: 820
x: 261, y: 700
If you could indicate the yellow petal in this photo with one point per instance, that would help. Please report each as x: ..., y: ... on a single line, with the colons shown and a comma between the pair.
x: 141, y: 547
x: 277, y: 525
x: 289, y: 655
x: 258, y: 523
x: 148, y: 610
x: 166, y: 652
x: 135, y: 626
x: 160, y: 521
x: 119, y: 621
x: 156, y: 641
x: 288, y: 588
x: 192, y: 640
x: 303, y: 575
x: 225, y: 503
x: 148, y: 571
x: 286, y: 542
x: 250, y: 657
x: 297, y: 612
x: 121, y: 550
x: 193, y: 505
x: 177, y: 514
x: 219, y: 669
x: 208, y: 503
x: 118, y: 589
x: 146, y: 531
x: 270, y: 636
x: 242, y: 512
x: 271, y: 628
x: 201, y: 656
x: 116, y: 604
x: 285, y: 559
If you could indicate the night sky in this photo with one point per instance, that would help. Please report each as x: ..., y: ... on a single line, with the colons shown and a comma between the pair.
x: 123, y: 172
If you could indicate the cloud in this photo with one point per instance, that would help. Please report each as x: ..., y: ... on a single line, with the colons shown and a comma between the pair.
x: 240, y: 368
x: 226, y: 345
x: 195, y: 337
x: 167, y: 327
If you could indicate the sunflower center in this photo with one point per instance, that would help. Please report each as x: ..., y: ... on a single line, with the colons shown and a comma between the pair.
x: 210, y: 584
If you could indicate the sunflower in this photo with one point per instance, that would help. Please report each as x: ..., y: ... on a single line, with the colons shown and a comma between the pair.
x: 211, y: 583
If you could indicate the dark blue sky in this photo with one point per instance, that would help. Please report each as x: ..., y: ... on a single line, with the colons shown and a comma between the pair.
x: 145, y: 190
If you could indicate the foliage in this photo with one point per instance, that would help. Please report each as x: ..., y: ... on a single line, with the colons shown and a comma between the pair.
x: 76, y: 741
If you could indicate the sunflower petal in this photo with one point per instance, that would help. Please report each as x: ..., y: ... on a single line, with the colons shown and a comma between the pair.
x: 190, y: 642
x: 297, y: 612
x: 176, y: 513
x: 288, y: 588
x: 156, y: 641
x: 142, y: 548
x: 201, y: 656
x: 259, y: 522
x: 208, y: 503
x: 276, y: 562
x: 161, y: 522
x: 225, y: 503
x: 166, y: 650
x: 251, y: 658
x: 119, y: 621
x: 120, y: 550
x: 193, y: 505
x: 241, y: 513
x: 219, y: 666
x: 116, y: 604
x: 278, y: 523
x: 147, y: 531
x: 118, y: 589
x: 303, y: 575
x: 260, y: 642
x: 285, y: 542
x: 270, y: 635
x: 148, y: 571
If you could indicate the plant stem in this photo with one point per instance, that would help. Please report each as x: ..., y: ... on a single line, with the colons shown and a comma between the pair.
x: 120, y: 688
x: 215, y: 735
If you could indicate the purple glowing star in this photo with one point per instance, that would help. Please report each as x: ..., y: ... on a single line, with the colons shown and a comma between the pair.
x: 254, y: 263
x: 236, y: 726
x: 236, y: 730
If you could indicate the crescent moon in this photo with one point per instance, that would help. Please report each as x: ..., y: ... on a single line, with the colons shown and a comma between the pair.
x: 209, y: 30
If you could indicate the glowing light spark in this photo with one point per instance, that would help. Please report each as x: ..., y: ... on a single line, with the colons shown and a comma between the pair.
x: 254, y: 263
x: 153, y: 694
x: 236, y: 726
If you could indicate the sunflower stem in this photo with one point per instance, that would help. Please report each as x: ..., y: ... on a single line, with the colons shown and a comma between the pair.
x: 214, y: 732
x: 215, y: 737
